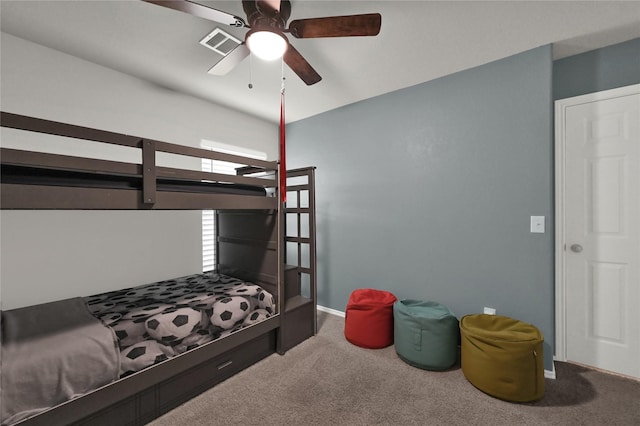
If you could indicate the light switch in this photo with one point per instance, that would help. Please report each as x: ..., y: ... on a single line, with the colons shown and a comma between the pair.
x: 537, y: 224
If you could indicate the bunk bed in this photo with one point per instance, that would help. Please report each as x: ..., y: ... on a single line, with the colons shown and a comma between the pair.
x: 250, y: 271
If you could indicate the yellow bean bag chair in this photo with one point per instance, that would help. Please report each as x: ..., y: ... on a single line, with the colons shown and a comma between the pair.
x: 502, y: 357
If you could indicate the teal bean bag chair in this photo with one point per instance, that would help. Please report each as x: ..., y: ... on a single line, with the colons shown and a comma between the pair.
x: 425, y: 334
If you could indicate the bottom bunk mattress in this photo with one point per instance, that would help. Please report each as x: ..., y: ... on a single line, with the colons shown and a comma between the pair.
x: 57, y: 351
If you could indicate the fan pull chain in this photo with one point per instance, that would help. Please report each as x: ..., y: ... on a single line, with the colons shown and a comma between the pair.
x: 250, y: 69
x: 282, y: 75
x: 283, y: 154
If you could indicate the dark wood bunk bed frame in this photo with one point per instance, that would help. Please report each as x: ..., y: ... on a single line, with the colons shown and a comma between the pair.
x: 251, y: 244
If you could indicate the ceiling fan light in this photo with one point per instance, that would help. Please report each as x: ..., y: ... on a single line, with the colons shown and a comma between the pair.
x: 266, y: 44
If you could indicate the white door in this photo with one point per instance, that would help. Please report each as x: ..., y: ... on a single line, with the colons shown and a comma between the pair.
x: 601, y: 229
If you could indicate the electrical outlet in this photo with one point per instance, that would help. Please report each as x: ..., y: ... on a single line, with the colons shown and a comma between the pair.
x: 489, y: 311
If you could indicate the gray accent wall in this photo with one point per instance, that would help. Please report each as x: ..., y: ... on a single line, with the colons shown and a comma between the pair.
x: 597, y: 70
x: 428, y: 191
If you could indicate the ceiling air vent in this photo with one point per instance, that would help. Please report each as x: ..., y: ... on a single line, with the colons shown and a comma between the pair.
x: 220, y: 41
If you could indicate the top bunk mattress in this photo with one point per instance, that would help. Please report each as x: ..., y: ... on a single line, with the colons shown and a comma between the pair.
x: 25, y: 175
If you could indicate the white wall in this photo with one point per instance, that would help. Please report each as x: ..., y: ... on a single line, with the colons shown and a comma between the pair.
x: 50, y: 255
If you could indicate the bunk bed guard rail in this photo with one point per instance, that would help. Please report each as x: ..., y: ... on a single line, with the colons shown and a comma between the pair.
x: 148, y: 176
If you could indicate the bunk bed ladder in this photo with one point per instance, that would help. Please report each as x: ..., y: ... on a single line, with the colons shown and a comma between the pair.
x: 299, y: 316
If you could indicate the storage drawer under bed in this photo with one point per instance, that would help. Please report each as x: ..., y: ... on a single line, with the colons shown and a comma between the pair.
x: 155, y: 401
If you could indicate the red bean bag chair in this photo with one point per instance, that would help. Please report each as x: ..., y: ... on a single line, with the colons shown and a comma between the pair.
x: 369, y: 318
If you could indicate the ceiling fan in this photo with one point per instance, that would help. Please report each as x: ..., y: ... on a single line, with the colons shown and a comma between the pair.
x: 267, y: 19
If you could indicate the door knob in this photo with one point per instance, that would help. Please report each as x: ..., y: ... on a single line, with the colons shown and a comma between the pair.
x: 576, y: 248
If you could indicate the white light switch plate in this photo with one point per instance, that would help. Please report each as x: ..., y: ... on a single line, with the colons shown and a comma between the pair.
x: 537, y: 224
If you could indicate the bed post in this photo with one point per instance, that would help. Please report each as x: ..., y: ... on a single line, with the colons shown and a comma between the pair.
x: 312, y: 249
x: 148, y: 172
x: 280, y: 247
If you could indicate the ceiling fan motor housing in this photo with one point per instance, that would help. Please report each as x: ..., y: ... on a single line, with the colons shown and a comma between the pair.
x: 261, y: 15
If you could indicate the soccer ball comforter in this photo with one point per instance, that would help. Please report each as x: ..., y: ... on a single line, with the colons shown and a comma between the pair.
x: 56, y: 351
x: 156, y: 321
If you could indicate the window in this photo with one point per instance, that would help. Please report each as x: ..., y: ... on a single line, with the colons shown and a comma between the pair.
x: 208, y: 216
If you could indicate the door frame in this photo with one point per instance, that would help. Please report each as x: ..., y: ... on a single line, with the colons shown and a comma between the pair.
x: 561, y: 106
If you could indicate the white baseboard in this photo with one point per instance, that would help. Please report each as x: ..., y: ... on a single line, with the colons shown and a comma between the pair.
x: 331, y: 311
x: 548, y: 374
x: 551, y: 374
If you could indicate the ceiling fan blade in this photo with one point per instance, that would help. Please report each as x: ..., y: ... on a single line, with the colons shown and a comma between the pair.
x: 233, y: 58
x: 201, y: 11
x: 300, y: 66
x: 337, y: 26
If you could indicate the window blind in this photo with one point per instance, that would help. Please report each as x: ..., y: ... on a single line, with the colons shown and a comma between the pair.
x: 208, y: 216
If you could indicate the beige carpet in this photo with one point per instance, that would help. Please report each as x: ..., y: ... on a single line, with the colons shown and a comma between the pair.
x: 328, y: 381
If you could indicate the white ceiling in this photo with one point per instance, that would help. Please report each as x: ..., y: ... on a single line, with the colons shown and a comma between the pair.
x: 419, y: 41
